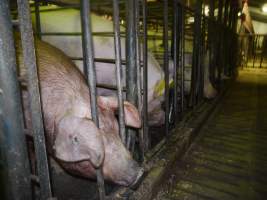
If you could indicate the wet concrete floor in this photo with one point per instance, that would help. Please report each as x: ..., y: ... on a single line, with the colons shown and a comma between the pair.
x: 229, y: 158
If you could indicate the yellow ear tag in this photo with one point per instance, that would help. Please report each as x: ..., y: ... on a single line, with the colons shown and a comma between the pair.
x: 160, y: 87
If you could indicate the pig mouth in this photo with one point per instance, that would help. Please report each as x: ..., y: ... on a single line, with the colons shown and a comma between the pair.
x: 138, y: 179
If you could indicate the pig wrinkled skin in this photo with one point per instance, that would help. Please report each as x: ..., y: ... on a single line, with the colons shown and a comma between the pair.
x: 72, y: 137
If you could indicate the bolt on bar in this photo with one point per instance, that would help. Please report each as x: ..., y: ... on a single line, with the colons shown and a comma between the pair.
x: 166, y: 64
x: 15, y: 165
x: 90, y: 74
x: 29, y: 59
x: 145, y: 81
x: 131, y: 69
x: 117, y: 42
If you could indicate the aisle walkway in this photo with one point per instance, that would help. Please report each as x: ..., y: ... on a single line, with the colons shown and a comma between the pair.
x: 229, y: 160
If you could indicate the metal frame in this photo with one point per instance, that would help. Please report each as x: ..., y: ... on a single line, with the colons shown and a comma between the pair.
x: 141, y: 16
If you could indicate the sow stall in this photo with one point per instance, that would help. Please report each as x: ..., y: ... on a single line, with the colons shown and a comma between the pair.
x: 171, y: 30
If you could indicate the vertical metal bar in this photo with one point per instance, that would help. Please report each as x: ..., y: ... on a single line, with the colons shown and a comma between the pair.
x: 37, y: 18
x: 220, y: 43
x: 145, y: 81
x: 90, y: 74
x: 131, y: 69
x: 255, y: 40
x: 12, y: 139
x: 117, y: 42
x: 182, y: 56
x: 212, y: 40
x: 166, y: 64
x: 194, y: 79
x: 29, y: 59
x: 138, y: 65
x: 175, y: 57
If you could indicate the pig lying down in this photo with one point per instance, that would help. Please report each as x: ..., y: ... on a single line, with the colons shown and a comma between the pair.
x: 72, y: 137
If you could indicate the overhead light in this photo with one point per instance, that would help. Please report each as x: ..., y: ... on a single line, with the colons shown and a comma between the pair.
x: 206, y: 10
x: 239, y: 13
x: 264, y: 8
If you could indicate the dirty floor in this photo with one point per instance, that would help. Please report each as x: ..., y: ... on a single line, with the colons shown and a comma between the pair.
x: 229, y: 158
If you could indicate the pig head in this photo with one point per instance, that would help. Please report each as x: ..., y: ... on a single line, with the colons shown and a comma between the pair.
x: 72, y: 137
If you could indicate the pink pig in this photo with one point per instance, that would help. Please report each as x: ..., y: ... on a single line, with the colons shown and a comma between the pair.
x: 72, y: 137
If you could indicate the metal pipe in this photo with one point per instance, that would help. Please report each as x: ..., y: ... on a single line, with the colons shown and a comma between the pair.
x: 131, y: 69
x: 166, y: 64
x: 182, y: 57
x: 138, y: 65
x: 117, y: 42
x: 15, y: 164
x: 37, y: 18
x: 145, y: 80
x: 90, y: 74
x: 29, y: 59
x: 175, y: 57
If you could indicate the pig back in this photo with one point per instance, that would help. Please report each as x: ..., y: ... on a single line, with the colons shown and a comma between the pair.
x: 62, y: 86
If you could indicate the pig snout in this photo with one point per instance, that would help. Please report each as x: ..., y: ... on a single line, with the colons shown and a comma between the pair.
x: 119, y: 166
x: 139, y: 175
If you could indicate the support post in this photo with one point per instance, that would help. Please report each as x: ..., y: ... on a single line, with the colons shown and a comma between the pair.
x: 29, y: 59
x: 15, y: 171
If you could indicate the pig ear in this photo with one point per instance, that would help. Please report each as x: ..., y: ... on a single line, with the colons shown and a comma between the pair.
x: 78, y: 139
x: 132, y: 117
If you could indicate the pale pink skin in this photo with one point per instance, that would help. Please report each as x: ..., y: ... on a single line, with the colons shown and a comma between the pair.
x: 72, y: 137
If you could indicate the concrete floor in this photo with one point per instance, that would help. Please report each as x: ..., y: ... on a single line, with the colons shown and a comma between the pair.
x: 229, y: 158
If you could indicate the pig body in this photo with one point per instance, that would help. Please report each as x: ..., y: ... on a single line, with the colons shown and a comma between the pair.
x: 68, y: 20
x: 72, y: 137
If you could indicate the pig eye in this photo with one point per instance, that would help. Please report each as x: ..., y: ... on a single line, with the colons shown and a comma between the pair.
x: 75, y: 139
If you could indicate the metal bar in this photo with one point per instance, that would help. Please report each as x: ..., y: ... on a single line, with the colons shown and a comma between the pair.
x: 147, y: 138
x: 13, y: 153
x: 175, y: 57
x: 194, y: 77
x: 255, y: 39
x: 117, y: 42
x: 139, y: 89
x: 131, y: 69
x: 220, y: 39
x: 29, y: 59
x: 37, y: 18
x: 182, y: 58
x: 90, y: 74
x: 166, y: 65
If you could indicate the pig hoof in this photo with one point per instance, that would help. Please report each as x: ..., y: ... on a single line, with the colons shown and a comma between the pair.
x: 138, y: 179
